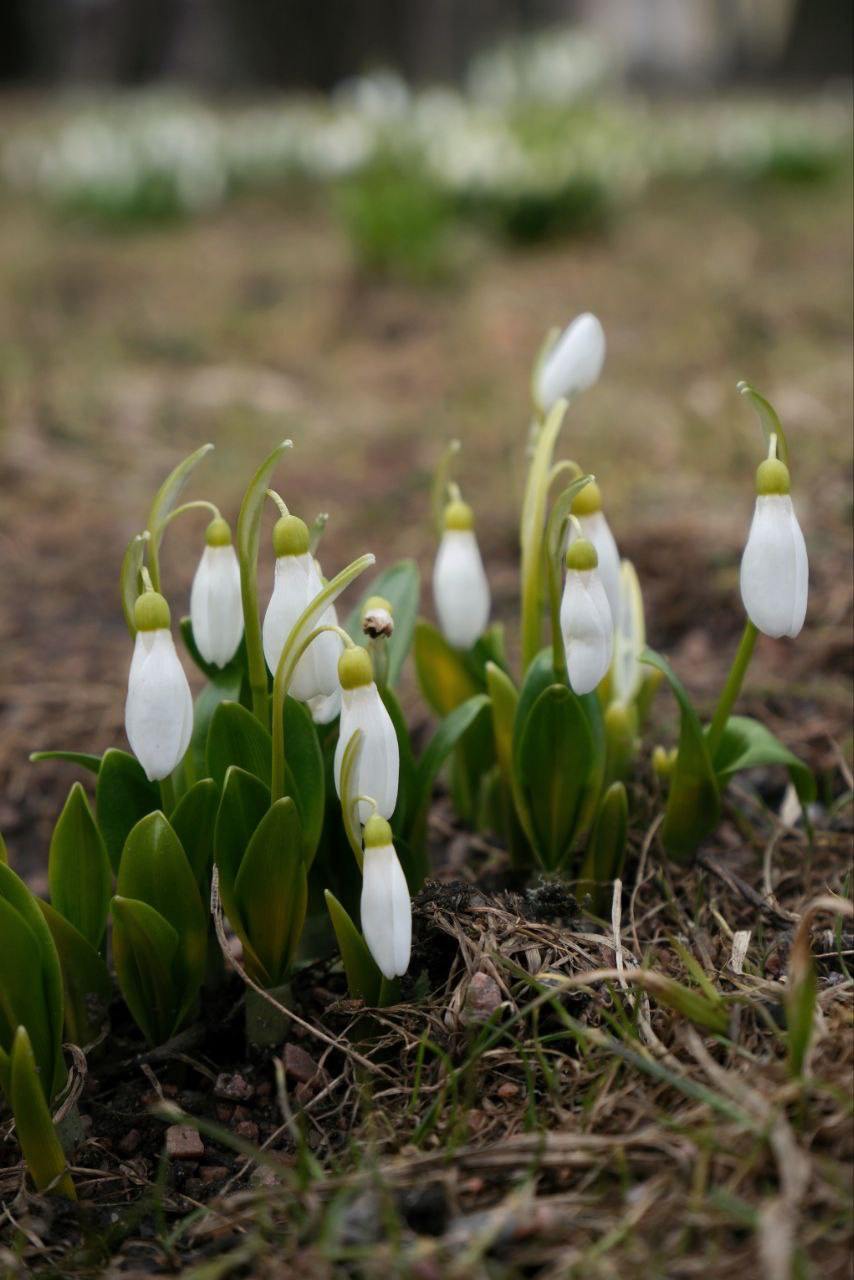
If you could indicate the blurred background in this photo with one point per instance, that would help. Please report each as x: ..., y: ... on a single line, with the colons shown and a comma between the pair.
x: 351, y: 222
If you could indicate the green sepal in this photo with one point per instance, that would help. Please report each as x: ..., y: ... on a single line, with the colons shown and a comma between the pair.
x: 82, y: 758
x: 79, y: 873
x: 193, y: 820
x: 86, y: 983
x: 237, y: 738
x: 555, y: 760
x: 123, y: 795
x: 145, y: 951
x: 747, y: 744
x: 400, y: 584
x: 364, y: 978
x: 37, y: 1136
x: 606, y: 848
x: 243, y: 803
x: 271, y: 891
x: 445, y: 678
x: 693, y: 802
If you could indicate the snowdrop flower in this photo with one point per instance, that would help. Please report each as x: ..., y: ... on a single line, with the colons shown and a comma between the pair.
x: 593, y: 526
x: 159, y: 707
x: 297, y: 582
x: 573, y: 363
x: 363, y: 708
x: 460, y: 588
x: 585, y: 619
x: 385, y: 907
x: 774, y: 567
x: 629, y: 636
x: 216, y: 611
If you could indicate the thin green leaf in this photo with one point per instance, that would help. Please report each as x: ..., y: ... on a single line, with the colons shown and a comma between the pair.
x: 349, y: 799
x: 440, y: 746
x: 170, y: 491
x: 193, y: 821
x: 768, y: 419
x: 400, y: 585
x: 129, y: 579
x: 86, y: 761
x: 79, y: 872
x: 244, y: 801
x: 21, y: 997
x: 363, y: 976
x: 41, y: 1148
x: 304, y: 775
x: 556, y: 755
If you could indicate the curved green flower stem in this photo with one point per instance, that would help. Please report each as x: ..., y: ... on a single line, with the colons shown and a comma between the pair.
x: 198, y: 504
x: 559, y: 517
x: 349, y: 802
x: 166, y: 495
x: 564, y: 468
x: 279, y: 501
x: 248, y: 539
x: 531, y: 530
x: 440, y: 486
x: 301, y: 636
x: 732, y: 688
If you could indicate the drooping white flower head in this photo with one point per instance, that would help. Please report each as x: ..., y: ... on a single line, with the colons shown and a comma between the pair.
x: 460, y: 588
x: 159, y: 707
x: 385, y: 906
x: 585, y: 619
x: 297, y: 582
x: 362, y: 708
x: 216, y: 611
x: 573, y: 363
x: 774, y: 567
x: 629, y: 637
x: 593, y: 526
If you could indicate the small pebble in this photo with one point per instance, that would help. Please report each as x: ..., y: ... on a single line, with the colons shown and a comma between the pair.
x: 233, y: 1088
x: 183, y: 1143
x: 247, y: 1129
x: 299, y: 1064
x: 130, y: 1142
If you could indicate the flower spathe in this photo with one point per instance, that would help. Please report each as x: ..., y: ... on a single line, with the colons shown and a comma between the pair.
x: 460, y: 587
x: 386, y: 910
x: 573, y: 363
x: 585, y: 619
x: 378, y: 766
x: 774, y: 567
x: 159, y: 706
x: 216, y: 611
x: 297, y: 582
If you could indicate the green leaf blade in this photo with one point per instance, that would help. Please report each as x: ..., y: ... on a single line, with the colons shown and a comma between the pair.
x: 79, y: 873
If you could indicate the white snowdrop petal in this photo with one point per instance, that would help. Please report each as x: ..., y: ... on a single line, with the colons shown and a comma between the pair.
x: 215, y: 605
x: 296, y: 584
x: 386, y: 911
x: 596, y: 529
x: 460, y: 588
x: 587, y: 627
x: 574, y: 362
x: 159, y: 707
x: 379, y: 760
x: 774, y: 568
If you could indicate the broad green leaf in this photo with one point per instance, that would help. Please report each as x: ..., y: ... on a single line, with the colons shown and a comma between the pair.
x: 304, y: 777
x: 129, y: 580
x: 145, y: 950
x: 21, y: 997
x: 235, y: 737
x: 400, y: 585
x: 123, y: 795
x: 539, y: 677
x: 222, y: 688
x: 193, y: 821
x: 271, y: 891
x: 17, y: 895
x: 155, y: 870
x: 768, y: 419
x: 406, y: 776
x: 747, y: 744
x: 87, y: 987
x: 555, y: 760
x: 606, y: 848
x: 79, y: 872
x: 86, y: 761
x: 4, y: 852
x: 363, y: 976
x: 443, y: 673
x: 41, y: 1148
x: 244, y: 801
x: 440, y: 746
x: 693, y: 802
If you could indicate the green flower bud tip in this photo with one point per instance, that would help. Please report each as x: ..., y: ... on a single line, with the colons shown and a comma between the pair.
x: 588, y: 500
x: 459, y: 516
x: 151, y: 612
x: 355, y: 668
x: 377, y: 832
x: 290, y: 537
x: 663, y: 761
x: 218, y: 533
x: 772, y: 476
x: 581, y: 555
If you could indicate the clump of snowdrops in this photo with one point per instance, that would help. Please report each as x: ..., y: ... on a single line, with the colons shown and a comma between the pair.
x: 285, y: 803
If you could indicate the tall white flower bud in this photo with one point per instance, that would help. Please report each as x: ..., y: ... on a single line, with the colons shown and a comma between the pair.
x: 774, y: 567
x: 460, y: 588
x: 385, y: 907
x: 574, y: 362
x: 593, y: 526
x: 362, y: 708
x: 297, y: 582
x: 159, y: 707
x: 585, y: 619
x: 216, y: 610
